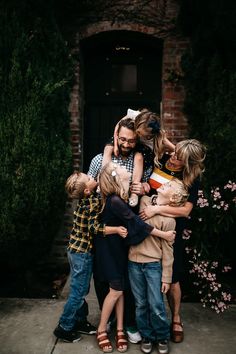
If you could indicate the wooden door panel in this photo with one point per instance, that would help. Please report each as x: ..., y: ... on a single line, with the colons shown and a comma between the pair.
x: 108, y: 96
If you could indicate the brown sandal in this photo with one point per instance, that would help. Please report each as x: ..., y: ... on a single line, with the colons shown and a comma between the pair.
x: 177, y: 336
x: 104, y: 342
x: 121, y: 341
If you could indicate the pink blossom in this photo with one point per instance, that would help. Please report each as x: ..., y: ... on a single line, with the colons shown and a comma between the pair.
x: 210, y: 222
x: 226, y: 269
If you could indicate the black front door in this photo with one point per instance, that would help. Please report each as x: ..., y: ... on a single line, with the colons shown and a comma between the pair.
x: 121, y: 70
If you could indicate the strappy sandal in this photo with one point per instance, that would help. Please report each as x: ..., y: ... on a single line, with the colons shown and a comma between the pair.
x: 104, y: 342
x: 121, y: 341
x: 177, y: 336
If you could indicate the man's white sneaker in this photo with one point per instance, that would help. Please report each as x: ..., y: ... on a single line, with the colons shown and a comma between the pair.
x: 133, y: 336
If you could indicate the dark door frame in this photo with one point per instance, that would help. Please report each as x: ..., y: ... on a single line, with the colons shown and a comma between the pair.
x: 104, y: 105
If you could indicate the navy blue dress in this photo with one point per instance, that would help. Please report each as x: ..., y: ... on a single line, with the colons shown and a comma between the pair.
x: 111, y: 251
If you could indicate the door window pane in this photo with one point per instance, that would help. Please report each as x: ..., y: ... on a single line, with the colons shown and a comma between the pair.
x: 124, y: 78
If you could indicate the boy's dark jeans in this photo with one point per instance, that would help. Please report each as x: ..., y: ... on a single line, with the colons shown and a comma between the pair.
x: 76, y: 308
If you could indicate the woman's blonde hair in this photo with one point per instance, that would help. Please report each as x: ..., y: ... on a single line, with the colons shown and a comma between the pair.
x: 75, y: 186
x: 110, y: 183
x: 180, y: 194
x: 193, y: 154
x: 152, y: 123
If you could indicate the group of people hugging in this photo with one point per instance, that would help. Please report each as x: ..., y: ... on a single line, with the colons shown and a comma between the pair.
x: 127, y: 232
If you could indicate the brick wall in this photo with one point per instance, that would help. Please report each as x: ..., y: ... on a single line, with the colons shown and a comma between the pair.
x: 156, y: 19
x: 163, y: 13
x: 172, y: 88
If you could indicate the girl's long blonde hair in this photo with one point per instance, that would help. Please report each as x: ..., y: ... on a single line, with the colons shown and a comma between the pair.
x: 110, y: 183
x: 152, y: 123
x: 193, y: 154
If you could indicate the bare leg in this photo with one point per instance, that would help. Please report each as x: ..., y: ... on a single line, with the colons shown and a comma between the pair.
x: 120, y: 312
x: 121, y: 341
x: 174, y: 300
x: 108, y: 305
x: 137, y: 175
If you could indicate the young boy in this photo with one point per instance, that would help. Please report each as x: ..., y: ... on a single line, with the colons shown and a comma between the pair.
x: 150, y: 271
x: 74, y: 317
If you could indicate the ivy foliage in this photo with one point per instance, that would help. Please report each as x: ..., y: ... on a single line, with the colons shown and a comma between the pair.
x: 35, y: 76
x: 210, y: 79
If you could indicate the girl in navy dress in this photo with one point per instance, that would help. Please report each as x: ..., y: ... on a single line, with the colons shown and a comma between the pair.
x: 111, y: 253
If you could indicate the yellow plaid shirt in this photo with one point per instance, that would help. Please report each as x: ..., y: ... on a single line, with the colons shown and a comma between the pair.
x: 85, y: 224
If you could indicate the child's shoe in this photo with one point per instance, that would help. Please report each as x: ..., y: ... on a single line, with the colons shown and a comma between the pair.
x: 146, y: 346
x: 133, y: 200
x: 133, y: 335
x: 67, y: 336
x: 163, y: 347
x: 85, y: 327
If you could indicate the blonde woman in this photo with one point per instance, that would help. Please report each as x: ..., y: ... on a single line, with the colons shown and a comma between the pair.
x: 186, y: 164
x: 111, y: 254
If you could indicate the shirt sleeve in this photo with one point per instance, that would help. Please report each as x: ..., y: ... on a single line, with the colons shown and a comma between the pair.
x: 95, y: 227
x: 94, y: 224
x: 167, y: 261
x: 167, y: 250
x: 138, y: 230
x: 95, y: 166
x: 193, y: 192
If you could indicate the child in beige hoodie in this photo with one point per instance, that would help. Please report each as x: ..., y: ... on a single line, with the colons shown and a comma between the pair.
x: 150, y: 270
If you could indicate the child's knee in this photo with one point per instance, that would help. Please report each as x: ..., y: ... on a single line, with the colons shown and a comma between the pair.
x: 116, y: 293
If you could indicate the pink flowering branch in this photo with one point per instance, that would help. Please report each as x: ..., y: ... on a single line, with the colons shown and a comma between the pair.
x: 211, y: 225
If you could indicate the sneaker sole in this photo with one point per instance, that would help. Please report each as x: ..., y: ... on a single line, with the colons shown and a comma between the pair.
x: 163, y: 351
x: 134, y: 341
x: 89, y: 333
x: 146, y: 351
x: 66, y: 340
x: 69, y: 341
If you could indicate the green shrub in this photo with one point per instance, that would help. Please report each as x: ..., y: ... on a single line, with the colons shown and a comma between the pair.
x: 35, y: 74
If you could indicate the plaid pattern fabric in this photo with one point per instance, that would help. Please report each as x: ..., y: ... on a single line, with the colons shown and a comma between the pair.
x: 85, y: 224
x: 128, y: 163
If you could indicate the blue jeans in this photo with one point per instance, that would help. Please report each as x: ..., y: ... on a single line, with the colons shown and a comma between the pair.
x: 151, y: 317
x: 76, y: 308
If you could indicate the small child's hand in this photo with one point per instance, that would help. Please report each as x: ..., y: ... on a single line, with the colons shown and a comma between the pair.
x: 148, y: 212
x: 137, y: 188
x: 165, y: 288
x: 122, y: 231
x: 169, y: 235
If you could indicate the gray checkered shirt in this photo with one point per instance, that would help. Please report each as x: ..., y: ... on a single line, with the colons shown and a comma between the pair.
x: 128, y: 163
